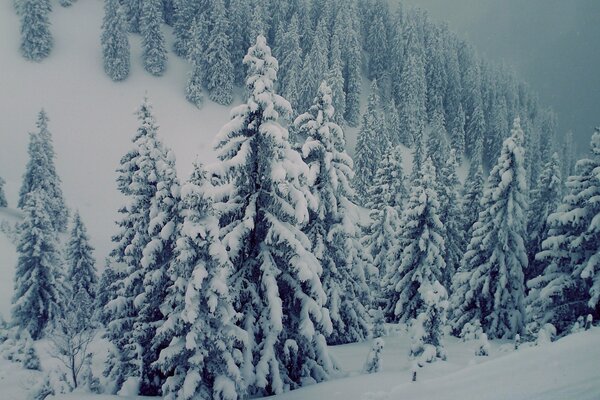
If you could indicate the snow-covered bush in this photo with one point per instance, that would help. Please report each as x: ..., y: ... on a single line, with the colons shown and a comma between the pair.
x: 52, y: 384
x: 373, y: 362
x: 546, y: 334
x: 471, y: 331
x: 484, y: 346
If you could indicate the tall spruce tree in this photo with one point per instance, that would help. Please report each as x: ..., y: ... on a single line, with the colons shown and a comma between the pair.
x: 193, y: 90
x: 544, y: 200
x: 418, y: 257
x: 81, y: 266
x: 412, y: 99
x: 154, y: 51
x: 115, y: 43
x: 276, y: 281
x: 141, y: 250
x: 372, y: 139
x: 36, y: 39
x: 134, y: 14
x: 200, y: 326
x: 450, y: 214
x: 35, y: 302
x: 488, y: 286
x: 315, y: 67
x: 291, y: 64
x: 185, y: 13
x: 471, y: 199
x: 332, y: 228
x: 40, y: 174
x: 570, y: 285
x: 335, y: 79
x: 219, y: 69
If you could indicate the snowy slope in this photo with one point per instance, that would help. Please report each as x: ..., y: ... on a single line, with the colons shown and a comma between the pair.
x: 91, y: 117
x: 566, y: 369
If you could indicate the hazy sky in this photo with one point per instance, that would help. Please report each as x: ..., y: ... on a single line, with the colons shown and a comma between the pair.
x: 554, y: 45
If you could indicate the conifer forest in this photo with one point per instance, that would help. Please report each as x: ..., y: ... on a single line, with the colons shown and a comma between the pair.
x: 304, y: 199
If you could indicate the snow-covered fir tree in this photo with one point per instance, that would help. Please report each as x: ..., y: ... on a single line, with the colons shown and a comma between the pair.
x: 276, y: 283
x: 134, y: 14
x: 450, y: 214
x: 378, y: 48
x: 418, y: 257
x: 185, y: 13
x: 291, y: 64
x: 411, y: 104
x: 154, y: 52
x: 103, y: 292
x: 193, y: 90
x: 200, y: 328
x: 315, y: 67
x: 471, y: 198
x: 36, y: 297
x: 437, y: 141
x: 335, y: 80
x: 544, y: 200
x: 36, y: 38
x: 115, y: 41
x: 238, y: 33
x: 3, y: 202
x: 157, y: 254
x: 79, y: 259
x: 332, y: 227
x: 369, y: 145
x: 570, y: 285
x: 426, y: 328
x: 142, y: 248
x: 219, y: 69
x: 392, y: 123
x: 386, y: 198
x: 488, y: 286
x: 40, y: 174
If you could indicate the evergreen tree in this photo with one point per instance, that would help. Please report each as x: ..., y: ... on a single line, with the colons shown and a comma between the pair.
x: 143, y: 246
x: 450, y: 214
x: 544, y: 200
x: 199, y: 329
x: 35, y: 302
x: 335, y: 79
x: 168, y: 11
x: 426, y: 329
x: 332, y: 228
x: 488, y: 286
x: 291, y: 64
x: 418, y: 257
x: 276, y: 282
x: 36, y: 39
x: 103, y: 292
x: 389, y: 186
x: 412, y: 99
x: 437, y: 142
x: 568, y: 160
x: 134, y: 14
x: 3, y: 202
x: 163, y: 216
x: 115, y: 43
x: 377, y: 48
x: 81, y: 268
x: 185, y: 13
x: 569, y: 287
x: 369, y: 145
x: 454, y: 110
x: 314, y: 68
x: 219, y: 69
x: 392, y: 121
x: 153, y: 41
x: 40, y: 174
x: 471, y: 199
x: 435, y: 74
x: 238, y: 33
x: 193, y: 90
x: 347, y: 30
